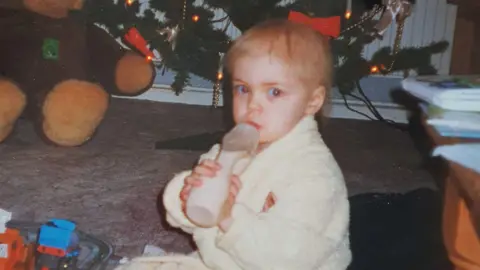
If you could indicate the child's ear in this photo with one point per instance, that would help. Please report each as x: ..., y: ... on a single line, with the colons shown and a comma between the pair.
x: 317, y: 98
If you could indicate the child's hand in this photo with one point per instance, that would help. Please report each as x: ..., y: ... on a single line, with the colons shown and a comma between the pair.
x: 226, y: 215
x: 207, y: 168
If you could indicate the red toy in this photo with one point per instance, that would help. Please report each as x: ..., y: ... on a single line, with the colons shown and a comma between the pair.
x: 14, y: 253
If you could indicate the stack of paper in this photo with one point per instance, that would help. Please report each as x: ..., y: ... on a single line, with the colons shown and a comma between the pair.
x: 452, y: 123
x: 452, y: 103
x: 456, y: 93
x: 452, y: 107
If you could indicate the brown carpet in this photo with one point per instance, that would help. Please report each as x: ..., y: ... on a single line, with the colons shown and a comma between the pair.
x: 110, y: 185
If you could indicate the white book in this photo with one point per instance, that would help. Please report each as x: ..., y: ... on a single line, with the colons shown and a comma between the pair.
x: 453, y: 119
x: 457, y: 93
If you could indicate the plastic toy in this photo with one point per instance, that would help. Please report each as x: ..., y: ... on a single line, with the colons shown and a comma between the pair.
x: 57, y: 245
x: 15, y: 254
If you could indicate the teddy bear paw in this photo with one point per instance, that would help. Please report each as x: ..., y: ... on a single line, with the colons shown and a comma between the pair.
x: 133, y: 74
x: 12, y: 103
x: 72, y: 111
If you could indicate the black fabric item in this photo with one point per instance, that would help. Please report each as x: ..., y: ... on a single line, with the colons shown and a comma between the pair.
x: 199, y: 142
x: 397, y: 231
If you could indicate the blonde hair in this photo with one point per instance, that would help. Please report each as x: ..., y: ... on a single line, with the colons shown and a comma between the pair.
x: 304, y: 50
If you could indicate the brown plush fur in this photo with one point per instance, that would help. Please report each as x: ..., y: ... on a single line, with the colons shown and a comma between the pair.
x: 128, y: 79
x: 53, y: 8
x: 65, y: 97
x: 12, y: 103
x: 72, y: 111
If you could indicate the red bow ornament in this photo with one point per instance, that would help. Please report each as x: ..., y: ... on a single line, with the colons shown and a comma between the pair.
x: 135, y: 39
x: 329, y: 26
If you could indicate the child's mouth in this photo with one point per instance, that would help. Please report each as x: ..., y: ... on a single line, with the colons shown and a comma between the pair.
x: 255, y: 125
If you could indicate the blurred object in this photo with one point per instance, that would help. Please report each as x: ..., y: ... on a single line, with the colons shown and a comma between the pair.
x: 397, y: 10
x: 397, y: 231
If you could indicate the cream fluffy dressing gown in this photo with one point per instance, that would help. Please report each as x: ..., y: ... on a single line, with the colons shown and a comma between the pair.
x: 306, y: 229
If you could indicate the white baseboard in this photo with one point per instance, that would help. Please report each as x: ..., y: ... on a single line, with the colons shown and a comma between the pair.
x: 203, y: 97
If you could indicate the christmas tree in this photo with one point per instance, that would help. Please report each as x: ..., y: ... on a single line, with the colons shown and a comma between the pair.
x: 183, y: 32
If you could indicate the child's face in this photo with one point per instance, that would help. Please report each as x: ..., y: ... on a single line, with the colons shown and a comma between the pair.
x: 268, y: 94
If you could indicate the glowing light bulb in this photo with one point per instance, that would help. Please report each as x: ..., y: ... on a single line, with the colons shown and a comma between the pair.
x: 348, y: 14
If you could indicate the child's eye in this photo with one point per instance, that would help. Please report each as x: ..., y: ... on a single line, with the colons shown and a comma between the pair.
x: 275, y: 92
x: 241, y: 89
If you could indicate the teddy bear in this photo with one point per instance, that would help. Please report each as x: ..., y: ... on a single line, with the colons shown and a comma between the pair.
x: 60, y: 72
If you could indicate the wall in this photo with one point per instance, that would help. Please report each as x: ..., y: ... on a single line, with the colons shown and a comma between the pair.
x: 432, y: 20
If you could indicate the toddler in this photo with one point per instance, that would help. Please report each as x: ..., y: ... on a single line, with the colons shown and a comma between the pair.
x: 288, y: 209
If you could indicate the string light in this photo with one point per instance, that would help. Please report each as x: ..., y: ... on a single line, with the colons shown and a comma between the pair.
x: 195, y: 18
x: 216, y: 94
x: 374, y: 69
x: 377, y: 9
x: 217, y: 85
x: 348, y: 12
x: 129, y: 2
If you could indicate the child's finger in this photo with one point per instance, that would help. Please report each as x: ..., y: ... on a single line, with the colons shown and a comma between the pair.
x: 211, y: 163
x: 193, y: 181
x: 236, y: 182
x: 185, y: 191
x: 205, y: 171
x: 184, y: 195
x: 231, y: 199
x: 235, y: 185
x: 233, y: 190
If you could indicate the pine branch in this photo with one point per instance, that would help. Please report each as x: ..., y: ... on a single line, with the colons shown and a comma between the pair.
x: 182, y: 79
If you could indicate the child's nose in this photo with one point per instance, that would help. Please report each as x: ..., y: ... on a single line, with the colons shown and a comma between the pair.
x: 254, y: 103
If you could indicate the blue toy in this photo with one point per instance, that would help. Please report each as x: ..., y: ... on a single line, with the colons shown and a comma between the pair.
x: 57, y: 245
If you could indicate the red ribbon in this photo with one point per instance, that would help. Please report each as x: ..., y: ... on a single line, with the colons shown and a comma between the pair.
x: 135, y: 39
x: 329, y: 26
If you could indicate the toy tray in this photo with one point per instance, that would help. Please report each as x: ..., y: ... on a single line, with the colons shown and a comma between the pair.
x: 94, y: 252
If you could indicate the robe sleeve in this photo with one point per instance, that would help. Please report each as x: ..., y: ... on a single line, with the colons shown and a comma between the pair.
x: 175, y: 215
x: 293, y: 233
